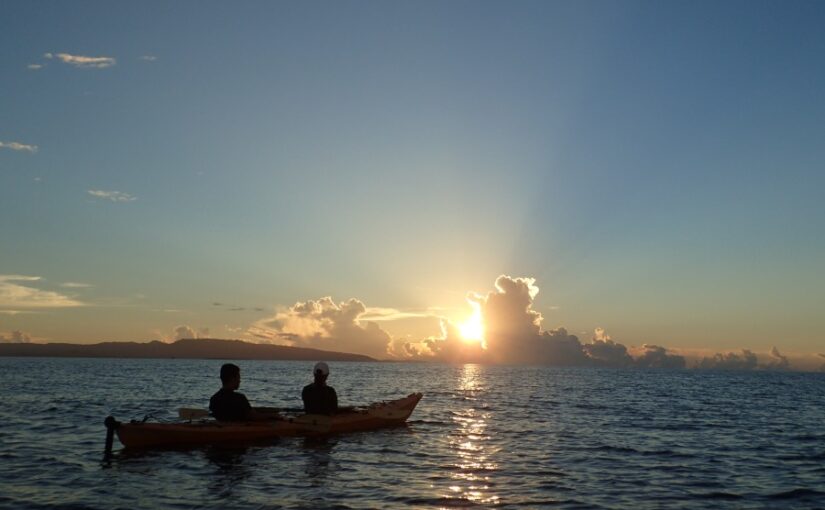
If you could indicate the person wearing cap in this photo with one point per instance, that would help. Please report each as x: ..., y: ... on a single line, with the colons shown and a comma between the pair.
x: 318, y: 397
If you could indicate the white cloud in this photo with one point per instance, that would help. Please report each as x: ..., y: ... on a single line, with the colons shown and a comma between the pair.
x: 113, y: 196
x: 34, y: 67
x: 324, y: 324
x: 148, y: 58
x: 15, y: 296
x: 82, y: 61
x: 17, y: 146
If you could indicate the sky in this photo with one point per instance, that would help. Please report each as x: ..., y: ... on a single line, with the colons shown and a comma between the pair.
x: 362, y: 175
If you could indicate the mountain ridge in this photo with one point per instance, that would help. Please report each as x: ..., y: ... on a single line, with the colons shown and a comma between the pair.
x: 189, y: 348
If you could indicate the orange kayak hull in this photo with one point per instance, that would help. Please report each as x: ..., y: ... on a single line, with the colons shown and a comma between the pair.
x: 376, y: 416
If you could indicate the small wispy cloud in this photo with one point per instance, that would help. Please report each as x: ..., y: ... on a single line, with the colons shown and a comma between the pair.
x: 17, y: 146
x: 34, y: 67
x: 375, y: 313
x: 148, y: 58
x: 76, y: 285
x: 113, y: 196
x: 82, y: 61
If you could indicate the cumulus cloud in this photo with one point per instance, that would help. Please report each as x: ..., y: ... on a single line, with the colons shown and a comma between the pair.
x: 15, y: 337
x: 17, y: 292
x: 655, y: 356
x: 113, y: 196
x: 17, y: 146
x: 604, y: 351
x: 183, y: 332
x: 747, y: 360
x: 147, y: 58
x: 82, y: 61
x: 777, y: 361
x: 34, y: 67
x: 325, y: 324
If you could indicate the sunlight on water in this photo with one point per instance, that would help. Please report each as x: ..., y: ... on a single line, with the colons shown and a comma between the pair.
x: 468, y: 443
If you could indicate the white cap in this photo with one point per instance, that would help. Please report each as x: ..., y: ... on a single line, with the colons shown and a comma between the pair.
x: 321, y: 368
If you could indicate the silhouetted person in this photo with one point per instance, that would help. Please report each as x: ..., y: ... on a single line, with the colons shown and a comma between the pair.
x: 318, y: 397
x: 227, y: 404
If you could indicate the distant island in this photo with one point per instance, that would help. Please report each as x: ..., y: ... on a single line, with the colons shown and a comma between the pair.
x: 201, y: 348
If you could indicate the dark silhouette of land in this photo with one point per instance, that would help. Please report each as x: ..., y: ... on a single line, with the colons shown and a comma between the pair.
x: 202, y: 348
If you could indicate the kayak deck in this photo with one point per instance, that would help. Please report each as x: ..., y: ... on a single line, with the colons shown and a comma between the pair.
x: 375, y: 416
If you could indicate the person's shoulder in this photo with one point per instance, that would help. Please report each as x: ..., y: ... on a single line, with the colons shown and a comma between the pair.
x: 218, y: 394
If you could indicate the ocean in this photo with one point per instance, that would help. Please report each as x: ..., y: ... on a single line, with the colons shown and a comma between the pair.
x: 483, y: 436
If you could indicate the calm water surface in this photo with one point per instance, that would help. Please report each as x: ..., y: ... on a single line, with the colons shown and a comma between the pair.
x: 504, y: 437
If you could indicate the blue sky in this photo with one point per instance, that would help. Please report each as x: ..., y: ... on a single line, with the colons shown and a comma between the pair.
x: 655, y: 166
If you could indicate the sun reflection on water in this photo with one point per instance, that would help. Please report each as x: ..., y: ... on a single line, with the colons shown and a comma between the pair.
x: 473, y: 466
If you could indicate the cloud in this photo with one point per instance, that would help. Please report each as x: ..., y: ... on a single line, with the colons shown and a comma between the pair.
x: 512, y: 334
x: 184, y: 331
x: 657, y: 357
x: 777, y: 361
x: 34, y: 67
x: 325, y: 324
x: 604, y: 351
x: 113, y: 196
x: 76, y: 285
x: 16, y: 296
x: 17, y: 146
x: 747, y: 360
x: 147, y: 58
x: 15, y: 337
x: 82, y: 61
x: 378, y: 314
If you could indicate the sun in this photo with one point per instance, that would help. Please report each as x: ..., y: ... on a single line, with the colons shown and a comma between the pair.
x: 472, y: 330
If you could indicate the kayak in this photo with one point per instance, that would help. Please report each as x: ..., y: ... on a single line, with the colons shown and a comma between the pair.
x: 374, y: 416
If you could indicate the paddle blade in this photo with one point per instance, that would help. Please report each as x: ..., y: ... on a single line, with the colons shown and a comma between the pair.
x: 188, y: 413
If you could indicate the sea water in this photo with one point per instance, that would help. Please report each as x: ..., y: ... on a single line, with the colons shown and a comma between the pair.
x: 483, y: 436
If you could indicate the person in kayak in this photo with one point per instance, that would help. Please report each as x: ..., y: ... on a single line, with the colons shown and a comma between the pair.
x: 229, y: 405
x: 318, y: 397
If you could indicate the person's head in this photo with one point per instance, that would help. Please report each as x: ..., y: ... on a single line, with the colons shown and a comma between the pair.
x: 231, y: 376
x: 320, y: 371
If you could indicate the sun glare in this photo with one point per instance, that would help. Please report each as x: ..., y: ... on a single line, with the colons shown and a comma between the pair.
x: 472, y: 330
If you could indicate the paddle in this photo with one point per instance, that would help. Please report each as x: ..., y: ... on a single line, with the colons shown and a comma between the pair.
x: 192, y: 413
